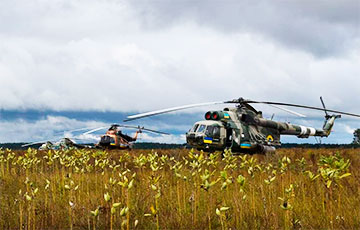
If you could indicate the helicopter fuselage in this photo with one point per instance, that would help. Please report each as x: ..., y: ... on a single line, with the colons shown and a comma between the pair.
x: 243, y: 129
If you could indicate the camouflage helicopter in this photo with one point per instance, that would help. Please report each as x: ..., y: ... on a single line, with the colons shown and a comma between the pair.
x: 243, y: 128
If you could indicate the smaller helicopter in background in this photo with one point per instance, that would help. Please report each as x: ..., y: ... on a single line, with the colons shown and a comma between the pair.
x: 112, y: 139
x: 115, y: 139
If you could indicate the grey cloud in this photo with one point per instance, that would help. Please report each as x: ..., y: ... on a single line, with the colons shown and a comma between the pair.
x: 93, y: 55
x: 64, y: 20
x: 323, y: 28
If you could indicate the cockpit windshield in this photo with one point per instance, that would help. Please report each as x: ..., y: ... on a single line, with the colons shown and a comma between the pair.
x: 193, y: 129
x: 201, y: 128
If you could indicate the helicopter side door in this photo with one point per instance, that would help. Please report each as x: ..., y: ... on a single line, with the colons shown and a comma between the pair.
x: 229, y: 137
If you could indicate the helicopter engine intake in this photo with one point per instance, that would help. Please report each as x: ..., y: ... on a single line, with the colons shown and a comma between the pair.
x: 216, y: 115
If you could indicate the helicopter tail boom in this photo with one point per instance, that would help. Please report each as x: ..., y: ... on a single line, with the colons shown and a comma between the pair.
x: 299, y: 130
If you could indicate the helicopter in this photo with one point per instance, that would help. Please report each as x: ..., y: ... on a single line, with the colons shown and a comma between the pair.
x: 115, y: 139
x: 56, y: 144
x: 243, y: 129
x: 112, y: 139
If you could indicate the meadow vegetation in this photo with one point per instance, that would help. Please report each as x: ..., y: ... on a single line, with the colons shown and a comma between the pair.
x: 179, y: 189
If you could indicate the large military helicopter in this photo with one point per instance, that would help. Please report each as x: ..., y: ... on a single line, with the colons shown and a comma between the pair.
x: 243, y: 128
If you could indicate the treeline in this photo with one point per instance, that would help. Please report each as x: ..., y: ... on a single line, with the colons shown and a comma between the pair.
x: 318, y: 146
x: 150, y: 145
x: 144, y: 145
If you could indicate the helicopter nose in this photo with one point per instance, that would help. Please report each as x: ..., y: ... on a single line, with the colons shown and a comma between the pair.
x: 194, y: 139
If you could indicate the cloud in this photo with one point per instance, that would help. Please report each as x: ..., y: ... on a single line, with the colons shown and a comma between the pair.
x: 132, y: 56
x: 49, y: 128
x: 99, y: 55
x: 53, y: 128
x: 349, y: 130
x: 124, y: 76
x: 175, y: 139
x: 322, y: 28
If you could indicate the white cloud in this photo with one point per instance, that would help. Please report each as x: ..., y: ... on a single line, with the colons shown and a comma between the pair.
x: 144, y: 55
x: 125, y: 76
x: 54, y: 128
x: 95, y: 55
x: 348, y: 129
x: 174, y: 139
x: 48, y: 128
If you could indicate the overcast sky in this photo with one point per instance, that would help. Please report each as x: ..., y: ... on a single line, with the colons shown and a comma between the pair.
x: 138, y: 55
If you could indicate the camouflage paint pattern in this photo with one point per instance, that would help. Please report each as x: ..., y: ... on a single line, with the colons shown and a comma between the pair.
x: 243, y: 129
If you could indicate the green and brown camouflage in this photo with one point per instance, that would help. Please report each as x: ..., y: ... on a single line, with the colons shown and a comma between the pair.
x: 243, y: 129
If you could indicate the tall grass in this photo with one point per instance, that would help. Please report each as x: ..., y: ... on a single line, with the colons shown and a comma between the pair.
x: 179, y: 189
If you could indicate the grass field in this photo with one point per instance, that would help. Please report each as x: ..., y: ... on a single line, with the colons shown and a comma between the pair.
x: 179, y: 189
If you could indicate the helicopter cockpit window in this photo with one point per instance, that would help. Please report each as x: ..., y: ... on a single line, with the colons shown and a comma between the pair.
x: 194, y: 128
x: 201, y: 128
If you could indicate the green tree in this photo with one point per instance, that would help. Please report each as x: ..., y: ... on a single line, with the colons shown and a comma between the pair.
x: 356, y: 137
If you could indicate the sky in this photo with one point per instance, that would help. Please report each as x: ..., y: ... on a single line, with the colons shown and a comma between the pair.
x: 68, y: 64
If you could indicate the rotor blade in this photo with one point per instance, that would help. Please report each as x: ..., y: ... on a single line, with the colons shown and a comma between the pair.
x: 322, y: 102
x: 161, y: 111
x: 125, y: 126
x: 143, y: 128
x: 37, y: 142
x: 288, y: 110
x: 96, y: 129
x: 155, y: 131
x: 73, y: 130
x: 301, y: 106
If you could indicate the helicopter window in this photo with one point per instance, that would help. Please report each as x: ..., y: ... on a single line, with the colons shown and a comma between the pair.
x: 194, y: 128
x: 216, y: 131
x: 201, y: 128
x: 209, y: 130
x: 213, y: 131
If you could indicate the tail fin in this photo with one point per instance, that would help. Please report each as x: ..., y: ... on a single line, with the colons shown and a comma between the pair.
x: 329, y: 123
